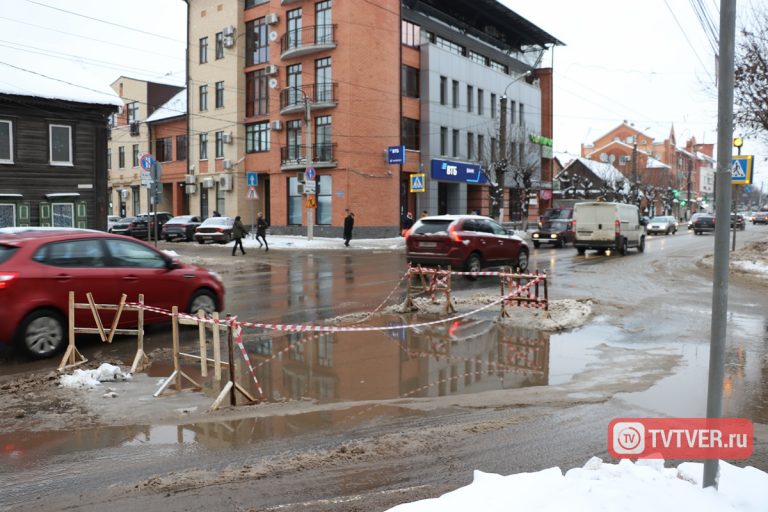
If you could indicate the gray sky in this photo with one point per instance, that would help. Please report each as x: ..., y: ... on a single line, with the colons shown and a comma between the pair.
x: 651, y: 65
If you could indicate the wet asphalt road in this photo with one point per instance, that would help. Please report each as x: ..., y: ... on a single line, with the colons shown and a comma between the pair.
x: 659, y: 299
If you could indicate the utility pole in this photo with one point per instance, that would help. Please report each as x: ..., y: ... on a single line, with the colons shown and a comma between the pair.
x: 723, y: 182
x: 308, y: 126
x: 500, y: 170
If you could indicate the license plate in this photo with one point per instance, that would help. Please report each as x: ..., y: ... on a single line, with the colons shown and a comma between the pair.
x: 428, y: 245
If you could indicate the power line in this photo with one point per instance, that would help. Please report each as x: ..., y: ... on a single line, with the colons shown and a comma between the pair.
x: 685, y: 34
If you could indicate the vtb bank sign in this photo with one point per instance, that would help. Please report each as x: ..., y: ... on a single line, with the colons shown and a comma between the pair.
x: 457, y: 171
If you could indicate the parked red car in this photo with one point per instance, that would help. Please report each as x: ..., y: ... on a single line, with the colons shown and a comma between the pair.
x: 39, y: 267
x: 469, y: 242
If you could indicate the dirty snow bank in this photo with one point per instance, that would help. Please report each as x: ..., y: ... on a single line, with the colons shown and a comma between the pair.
x: 751, y: 259
x: 639, y: 487
x: 93, y: 378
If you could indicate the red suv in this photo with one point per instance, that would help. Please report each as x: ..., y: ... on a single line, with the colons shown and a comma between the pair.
x: 468, y: 242
x: 39, y: 267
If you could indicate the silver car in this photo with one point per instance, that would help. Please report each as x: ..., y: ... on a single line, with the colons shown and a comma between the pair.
x: 662, y: 224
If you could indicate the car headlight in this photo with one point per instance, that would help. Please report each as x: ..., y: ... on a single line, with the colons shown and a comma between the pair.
x: 553, y: 235
x: 535, y: 235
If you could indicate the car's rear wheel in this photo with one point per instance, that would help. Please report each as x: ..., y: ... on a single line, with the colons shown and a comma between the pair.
x: 581, y: 251
x: 205, y: 300
x: 201, y: 242
x: 623, y: 247
x: 641, y: 247
x: 522, y: 260
x: 42, y: 333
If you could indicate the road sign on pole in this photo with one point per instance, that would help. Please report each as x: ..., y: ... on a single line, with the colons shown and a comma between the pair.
x: 741, y: 170
x: 252, y: 178
x: 310, y: 173
x: 252, y: 194
x: 146, y: 160
x: 156, y: 170
x: 310, y: 187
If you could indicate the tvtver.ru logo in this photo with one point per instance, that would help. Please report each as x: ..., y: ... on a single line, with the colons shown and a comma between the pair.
x: 628, y: 437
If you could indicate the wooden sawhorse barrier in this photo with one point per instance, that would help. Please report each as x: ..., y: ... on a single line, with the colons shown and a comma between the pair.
x: 432, y: 282
x: 73, y: 357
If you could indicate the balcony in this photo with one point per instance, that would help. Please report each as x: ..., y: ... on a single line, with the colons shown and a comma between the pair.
x: 292, y: 157
x: 304, y: 41
x: 320, y: 96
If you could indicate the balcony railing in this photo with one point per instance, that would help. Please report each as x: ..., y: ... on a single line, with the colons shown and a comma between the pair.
x: 320, y: 96
x: 295, y: 43
x: 293, y: 156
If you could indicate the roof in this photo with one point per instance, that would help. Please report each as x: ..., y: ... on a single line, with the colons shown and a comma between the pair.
x: 18, y: 81
x: 605, y: 172
x: 656, y: 164
x: 175, y: 107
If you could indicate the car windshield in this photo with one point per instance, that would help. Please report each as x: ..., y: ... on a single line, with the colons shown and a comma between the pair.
x: 557, y: 214
x: 431, y: 226
x: 557, y: 224
x: 659, y: 219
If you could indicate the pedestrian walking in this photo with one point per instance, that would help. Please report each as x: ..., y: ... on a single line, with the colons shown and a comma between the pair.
x: 238, y: 233
x: 261, y: 231
x: 406, y: 224
x: 424, y: 213
x: 349, y: 223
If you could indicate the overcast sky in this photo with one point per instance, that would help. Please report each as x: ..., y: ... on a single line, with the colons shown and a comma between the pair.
x: 649, y: 63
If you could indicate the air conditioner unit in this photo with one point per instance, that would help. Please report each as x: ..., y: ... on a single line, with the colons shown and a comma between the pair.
x: 300, y: 176
x: 189, y: 179
x: 228, y: 31
x: 124, y: 194
x: 271, y: 69
x: 226, y: 138
x: 225, y: 182
x: 207, y: 182
x: 277, y: 125
x: 300, y: 188
x: 271, y: 19
x: 229, y: 42
x: 227, y: 164
x: 190, y: 188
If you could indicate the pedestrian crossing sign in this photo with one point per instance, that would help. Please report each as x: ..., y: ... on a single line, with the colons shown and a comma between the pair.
x: 417, y: 183
x: 741, y: 170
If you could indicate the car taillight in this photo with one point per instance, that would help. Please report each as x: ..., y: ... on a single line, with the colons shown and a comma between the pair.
x: 617, y: 226
x: 407, y: 233
x: 453, y: 234
x: 6, y: 278
x: 573, y: 225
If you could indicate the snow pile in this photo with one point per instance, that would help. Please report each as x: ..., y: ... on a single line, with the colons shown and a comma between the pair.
x: 93, y: 378
x: 301, y: 242
x: 639, y: 487
x: 751, y: 259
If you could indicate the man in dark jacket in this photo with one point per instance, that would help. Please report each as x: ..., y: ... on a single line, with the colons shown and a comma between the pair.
x: 238, y: 232
x: 349, y: 223
x: 261, y: 231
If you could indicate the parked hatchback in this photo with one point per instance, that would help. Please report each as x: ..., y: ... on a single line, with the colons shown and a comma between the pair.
x: 469, y: 242
x: 215, y: 229
x: 181, y: 227
x: 38, y: 269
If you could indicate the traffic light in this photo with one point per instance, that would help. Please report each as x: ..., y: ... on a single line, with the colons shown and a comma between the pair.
x: 676, y: 192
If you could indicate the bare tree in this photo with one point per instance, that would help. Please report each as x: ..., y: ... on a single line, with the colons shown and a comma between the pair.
x: 751, y: 76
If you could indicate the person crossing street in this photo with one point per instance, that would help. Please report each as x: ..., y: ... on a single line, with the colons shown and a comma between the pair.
x: 238, y: 233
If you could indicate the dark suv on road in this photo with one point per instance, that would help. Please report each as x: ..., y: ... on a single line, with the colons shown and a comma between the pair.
x: 469, y: 242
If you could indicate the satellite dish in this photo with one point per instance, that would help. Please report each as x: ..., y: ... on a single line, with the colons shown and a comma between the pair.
x: 612, y: 158
x: 273, y: 83
x: 273, y: 36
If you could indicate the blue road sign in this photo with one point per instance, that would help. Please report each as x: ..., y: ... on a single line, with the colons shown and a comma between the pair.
x: 253, y: 178
x: 146, y: 161
x: 417, y: 183
x: 310, y: 173
x: 396, y: 155
x: 741, y: 170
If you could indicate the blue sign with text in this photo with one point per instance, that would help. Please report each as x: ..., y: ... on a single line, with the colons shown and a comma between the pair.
x: 457, y: 171
x: 396, y: 154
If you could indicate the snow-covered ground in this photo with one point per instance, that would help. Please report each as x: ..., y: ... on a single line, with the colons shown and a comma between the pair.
x: 627, y: 487
x: 751, y: 259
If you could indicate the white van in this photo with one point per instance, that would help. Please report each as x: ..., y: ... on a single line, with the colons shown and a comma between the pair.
x: 608, y: 226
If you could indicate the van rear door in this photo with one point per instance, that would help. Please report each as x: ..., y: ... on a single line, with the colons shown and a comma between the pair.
x: 595, y: 221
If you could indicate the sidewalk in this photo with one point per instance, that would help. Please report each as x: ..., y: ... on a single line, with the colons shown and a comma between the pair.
x: 301, y: 243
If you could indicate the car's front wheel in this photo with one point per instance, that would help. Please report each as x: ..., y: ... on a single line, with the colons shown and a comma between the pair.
x: 474, y: 264
x: 42, y: 333
x: 205, y: 300
x: 522, y: 260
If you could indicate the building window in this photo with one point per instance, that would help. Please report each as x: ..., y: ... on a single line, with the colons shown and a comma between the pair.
x: 443, y: 90
x: 452, y: 47
x: 121, y: 157
x: 443, y: 140
x: 498, y: 66
x: 323, y: 80
x: 257, y: 42
x: 164, y: 149
x: 470, y: 146
x: 512, y: 115
x: 294, y: 29
x: 203, y: 146
x: 294, y: 84
x: 480, y: 59
x: 6, y: 142
x: 295, y: 202
x: 220, y: 94
x: 253, y: 3
x: 63, y: 215
x: 493, y: 106
x: 323, y: 22
x: 256, y: 94
x: 455, y: 87
x: 219, y: 139
x: 220, y: 198
x: 323, y: 148
x: 410, y: 33
x: 470, y: 98
x: 480, y: 100
x: 219, y: 45
x: 136, y: 199
x: 60, y: 139
x: 324, y: 199
x: 410, y: 85
x: 293, y: 139
x: 480, y: 147
x: 455, y: 142
x: 522, y: 114
x: 493, y: 149
x: 257, y: 137
x: 135, y: 155
x: 109, y: 159
x: 410, y: 133
x: 7, y: 215
x: 133, y: 111
x: 203, y: 98
x: 203, y: 50
x: 181, y: 147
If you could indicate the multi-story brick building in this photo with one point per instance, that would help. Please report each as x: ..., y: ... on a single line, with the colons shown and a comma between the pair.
x: 343, y: 81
